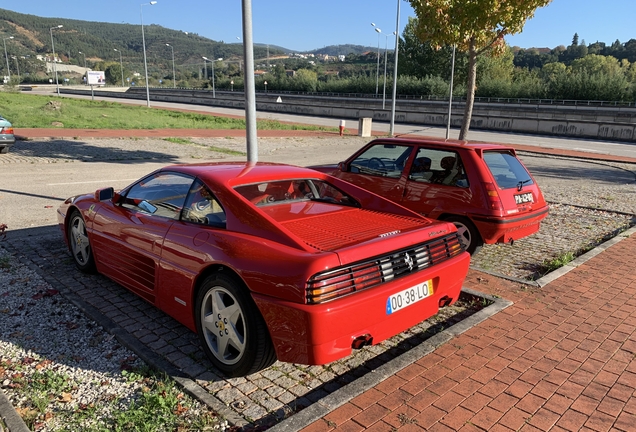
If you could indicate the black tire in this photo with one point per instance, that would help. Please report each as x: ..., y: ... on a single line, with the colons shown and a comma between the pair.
x: 4, y: 150
x: 469, y: 236
x: 79, y: 243
x: 232, y: 331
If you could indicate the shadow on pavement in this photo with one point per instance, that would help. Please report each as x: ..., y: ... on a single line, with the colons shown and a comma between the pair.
x: 69, y: 150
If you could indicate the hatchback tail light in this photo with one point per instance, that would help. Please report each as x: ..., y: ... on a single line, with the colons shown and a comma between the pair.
x: 494, y: 201
x: 6, y: 130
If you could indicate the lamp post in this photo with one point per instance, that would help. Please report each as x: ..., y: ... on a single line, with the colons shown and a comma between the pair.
x: 174, y: 79
x: 386, y: 43
x: 395, y: 69
x: 206, y: 68
x: 377, y: 69
x: 143, y: 42
x: 450, y: 94
x: 5, y: 54
x: 265, y: 86
x: 121, y: 66
x: 232, y: 85
x: 240, y: 63
x: 79, y: 52
x: 17, y: 65
x: 57, y: 84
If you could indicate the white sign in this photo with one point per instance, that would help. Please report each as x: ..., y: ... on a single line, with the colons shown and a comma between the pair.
x: 96, y: 77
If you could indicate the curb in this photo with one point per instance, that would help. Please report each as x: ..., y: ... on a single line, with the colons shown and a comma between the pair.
x: 550, y: 277
x: 12, y: 420
x: 327, y: 404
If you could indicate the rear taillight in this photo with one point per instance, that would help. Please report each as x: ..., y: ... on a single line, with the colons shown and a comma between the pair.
x: 494, y: 201
x: 7, y: 130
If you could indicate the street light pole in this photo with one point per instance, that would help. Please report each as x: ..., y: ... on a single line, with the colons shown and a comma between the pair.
x: 174, y: 79
x: 79, y: 52
x: 206, y: 68
x: 377, y: 69
x: 386, y: 43
x: 57, y: 84
x: 121, y: 66
x: 143, y: 42
x: 395, y: 69
x: 5, y: 55
x: 450, y: 94
x: 17, y: 65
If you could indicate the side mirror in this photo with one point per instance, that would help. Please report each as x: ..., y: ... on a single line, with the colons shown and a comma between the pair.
x: 342, y: 166
x: 104, y: 194
x: 116, y: 198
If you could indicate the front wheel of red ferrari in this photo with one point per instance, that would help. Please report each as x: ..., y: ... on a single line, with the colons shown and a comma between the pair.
x: 231, y: 329
x: 79, y: 244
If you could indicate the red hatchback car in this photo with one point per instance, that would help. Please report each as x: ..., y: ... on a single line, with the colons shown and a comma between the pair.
x: 484, y: 189
x: 268, y: 261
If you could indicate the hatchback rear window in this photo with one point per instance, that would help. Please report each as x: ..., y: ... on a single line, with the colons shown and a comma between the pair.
x: 507, y: 170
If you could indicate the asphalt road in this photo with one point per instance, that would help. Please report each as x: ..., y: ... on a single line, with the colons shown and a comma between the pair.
x: 598, y: 147
x: 38, y: 175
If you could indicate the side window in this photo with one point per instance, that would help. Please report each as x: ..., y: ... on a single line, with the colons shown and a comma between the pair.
x: 386, y: 160
x: 161, y: 194
x: 201, y: 207
x: 438, y: 167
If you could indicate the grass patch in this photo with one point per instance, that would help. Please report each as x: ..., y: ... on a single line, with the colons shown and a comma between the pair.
x: 158, y: 404
x: 561, y: 260
x: 178, y: 140
x: 43, y: 111
x: 227, y: 151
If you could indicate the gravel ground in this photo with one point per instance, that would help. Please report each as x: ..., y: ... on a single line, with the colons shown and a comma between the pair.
x: 52, y: 354
x: 40, y: 331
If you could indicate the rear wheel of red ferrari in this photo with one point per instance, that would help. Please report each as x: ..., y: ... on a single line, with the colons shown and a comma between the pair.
x: 79, y: 244
x: 232, y: 331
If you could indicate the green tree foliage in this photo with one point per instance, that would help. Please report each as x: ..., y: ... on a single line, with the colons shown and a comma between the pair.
x: 475, y: 26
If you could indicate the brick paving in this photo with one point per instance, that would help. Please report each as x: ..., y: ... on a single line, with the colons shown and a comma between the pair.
x: 562, y: 358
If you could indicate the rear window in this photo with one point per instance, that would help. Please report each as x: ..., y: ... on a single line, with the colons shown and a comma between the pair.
x: 286, y: 191
x: 506, y: 169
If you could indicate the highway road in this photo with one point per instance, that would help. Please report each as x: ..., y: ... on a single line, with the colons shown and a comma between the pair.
x: 584, y: 145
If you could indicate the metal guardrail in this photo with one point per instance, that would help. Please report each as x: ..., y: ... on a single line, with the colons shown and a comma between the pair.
x: 485, y: 100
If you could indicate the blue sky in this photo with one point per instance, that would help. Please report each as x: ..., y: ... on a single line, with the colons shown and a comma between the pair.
x: 307, y: 25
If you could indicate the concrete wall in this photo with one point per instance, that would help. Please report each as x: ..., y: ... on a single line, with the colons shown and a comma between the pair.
x: 604, y: 122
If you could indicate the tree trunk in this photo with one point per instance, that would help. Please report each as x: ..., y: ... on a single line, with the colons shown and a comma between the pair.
x: 470, y: 91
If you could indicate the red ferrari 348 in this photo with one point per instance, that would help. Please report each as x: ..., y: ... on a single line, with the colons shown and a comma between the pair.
x: 268, y: 261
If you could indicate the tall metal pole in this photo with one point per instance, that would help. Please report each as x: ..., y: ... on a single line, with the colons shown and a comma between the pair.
x: 174, y: 79
x: 250, y: 89
x: 4, y: 41
x: 206, y: 73
x: 143, y: 41
x: 17, y: 65
x: 450, y: 94
x: 121, y: 66
x: 377, y: 69
x: 386, y: 43
x: 57, y: 84
x: 395, y: 69
x: 84, y: 59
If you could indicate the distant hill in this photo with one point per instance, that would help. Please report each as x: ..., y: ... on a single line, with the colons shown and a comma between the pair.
x: 98, y: 40
x: 334, y: 50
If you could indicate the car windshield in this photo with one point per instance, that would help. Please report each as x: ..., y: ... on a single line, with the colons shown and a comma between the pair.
x: 507, y: 170
x: 286, y: 191
x: 386, y: 160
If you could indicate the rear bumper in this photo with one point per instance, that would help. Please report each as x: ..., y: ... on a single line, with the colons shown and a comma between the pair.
x: 323, y: 333
x: 503, y: 230
x: 7, y: 140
